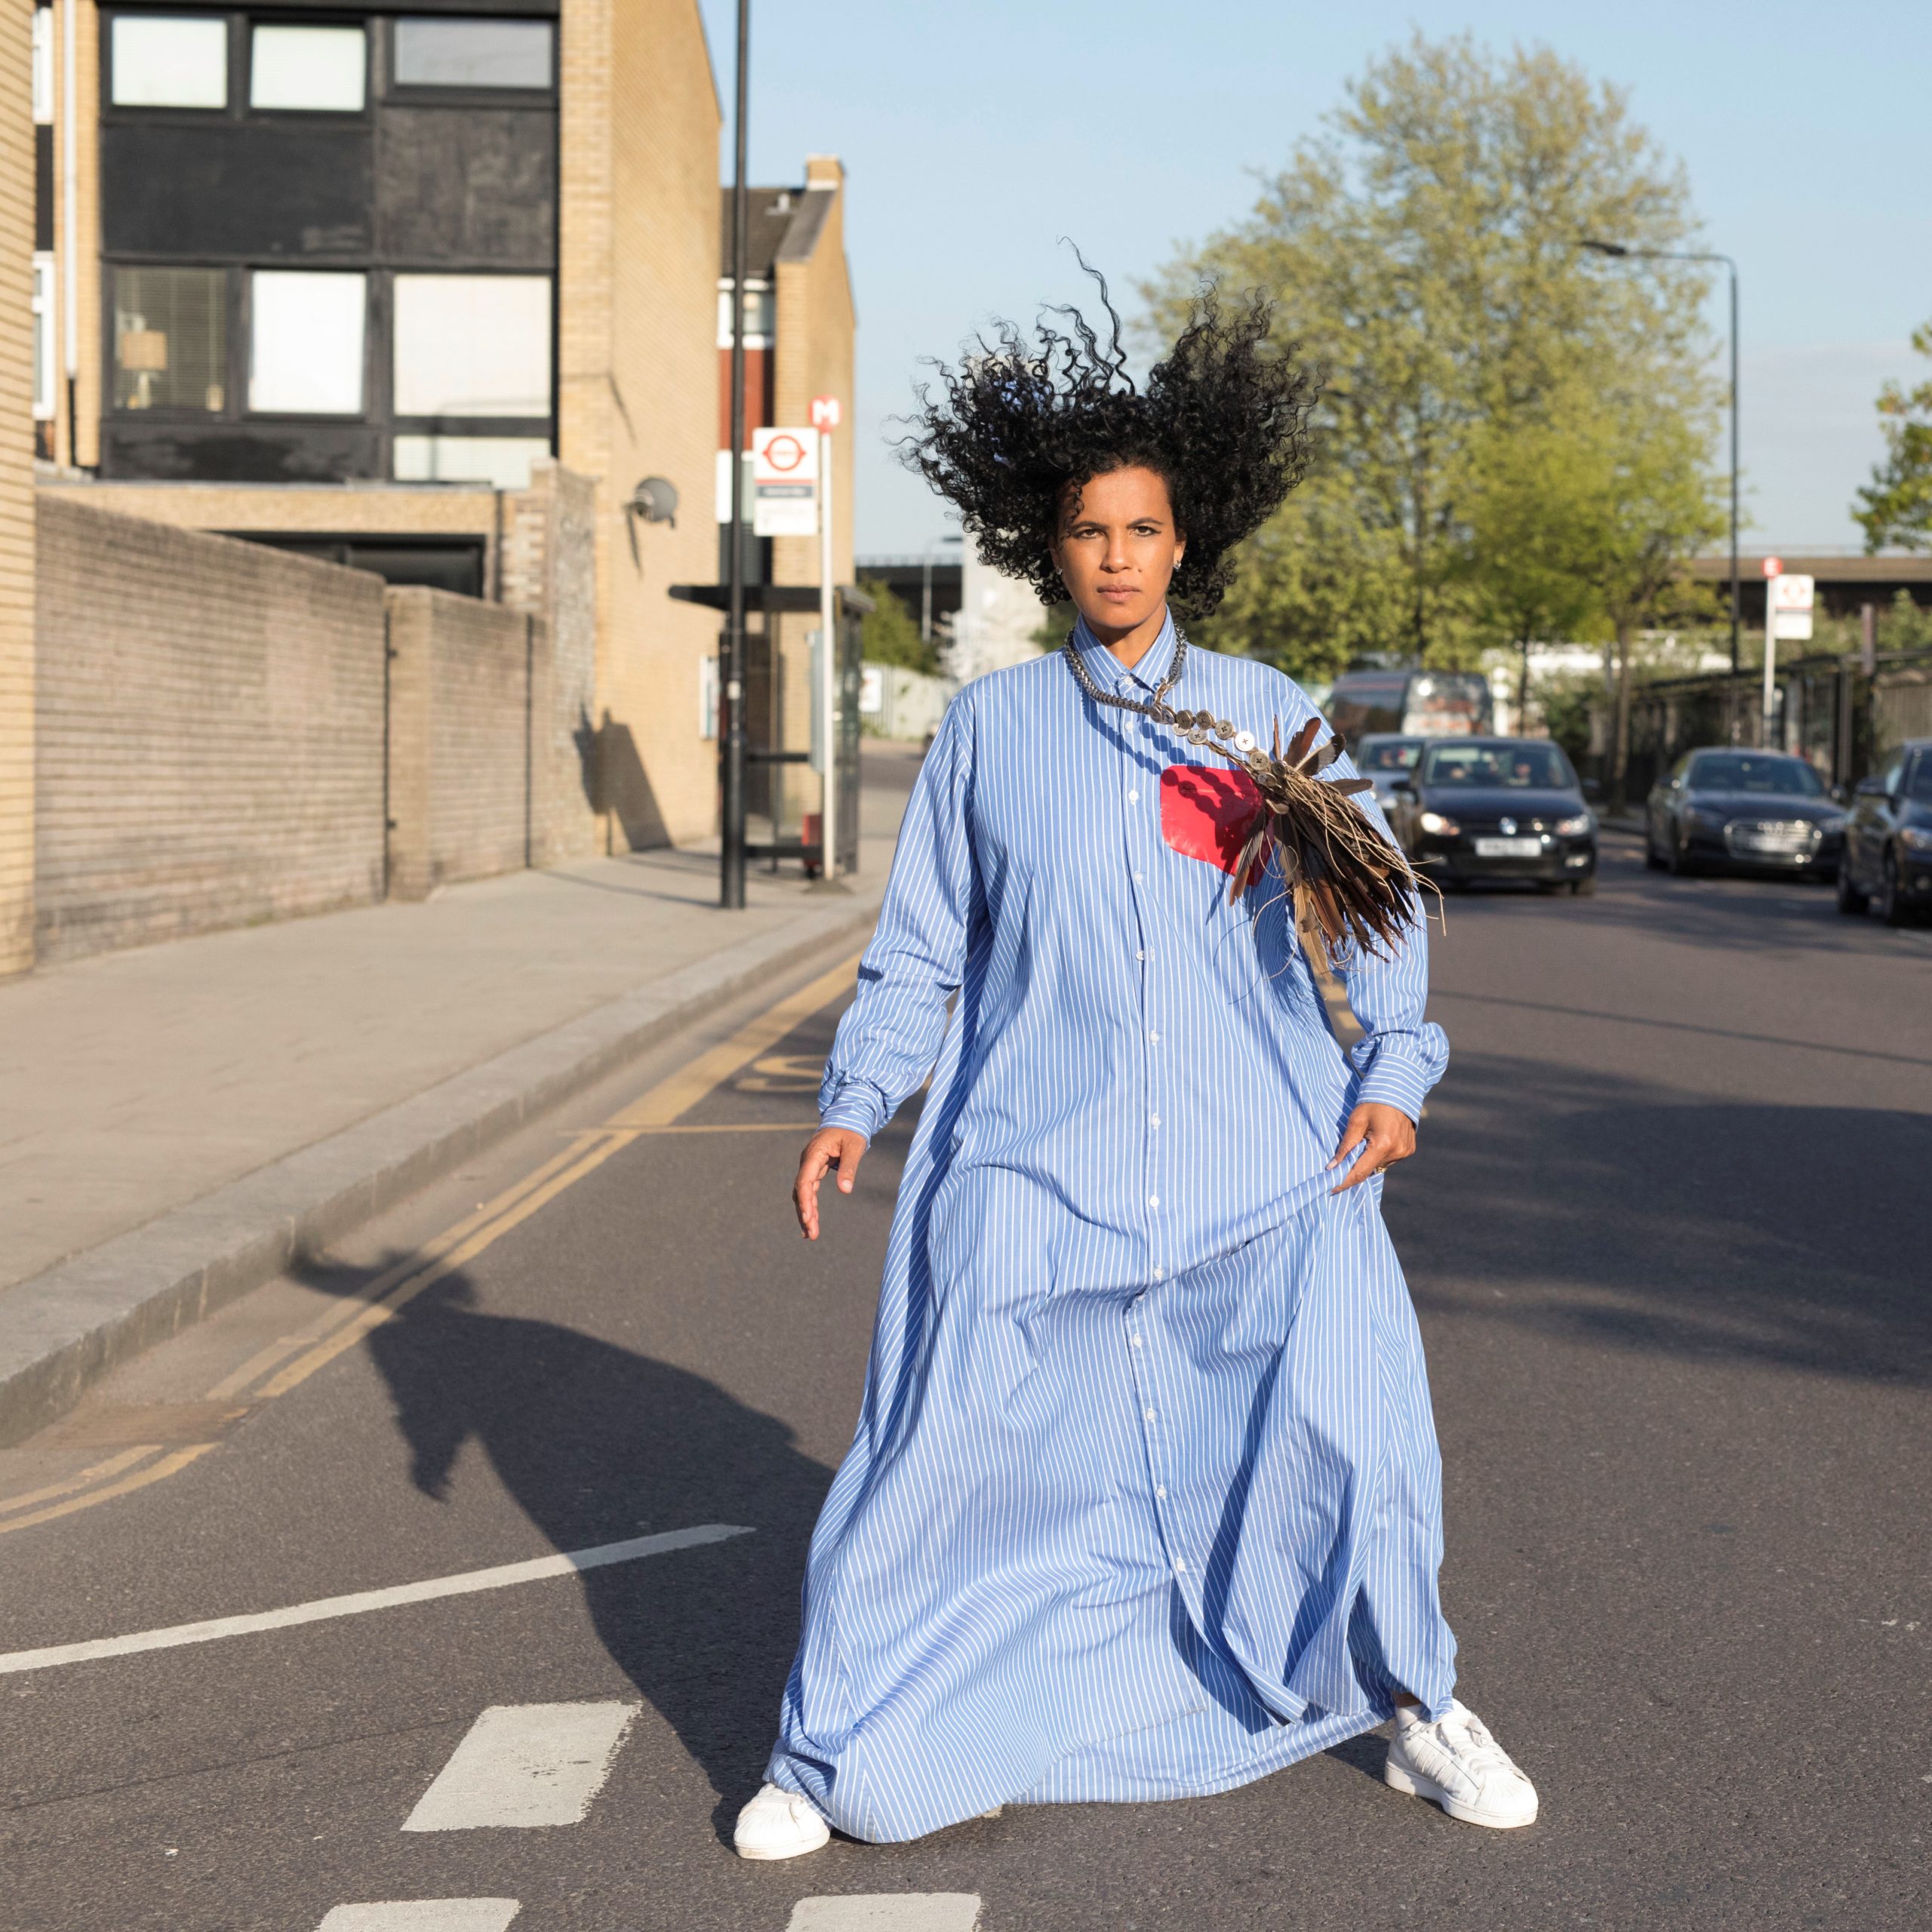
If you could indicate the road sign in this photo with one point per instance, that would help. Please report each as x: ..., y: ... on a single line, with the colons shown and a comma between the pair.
x: 1774, y: 566
x: 825, y: 412
x: 785, y: 482
x: 1790, y: 599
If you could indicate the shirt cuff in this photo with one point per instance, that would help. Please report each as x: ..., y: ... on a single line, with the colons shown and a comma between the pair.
x: 857, y: 1106
x: 1394, y: 1081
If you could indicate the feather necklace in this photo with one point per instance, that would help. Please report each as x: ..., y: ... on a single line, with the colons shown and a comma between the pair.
x: 1349, y: 885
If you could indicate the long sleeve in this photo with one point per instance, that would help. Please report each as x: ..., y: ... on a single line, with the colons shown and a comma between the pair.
x: 891, y: 1034
x: 1401, y: 1055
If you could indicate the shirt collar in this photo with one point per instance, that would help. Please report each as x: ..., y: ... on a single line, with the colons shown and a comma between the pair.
x: 1107, y: 671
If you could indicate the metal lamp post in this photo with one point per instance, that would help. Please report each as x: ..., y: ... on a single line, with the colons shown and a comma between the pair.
x: 926, y: 586
x: 731, y: 748
x: 1619, y: 252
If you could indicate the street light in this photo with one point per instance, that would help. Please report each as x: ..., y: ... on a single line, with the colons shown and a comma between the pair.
x: 926, y: 586
x: 1617, y: 251
x: 731, y: 750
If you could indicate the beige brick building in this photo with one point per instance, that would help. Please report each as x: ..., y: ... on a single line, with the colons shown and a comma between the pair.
x: 428, y: 251
x: 16, y: 720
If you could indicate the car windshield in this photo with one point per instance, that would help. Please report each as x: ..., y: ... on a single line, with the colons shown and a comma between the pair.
x: 1531, y: 767
x: 1386, y: 754
x: 1918, y: 787
x: 1753, y: 771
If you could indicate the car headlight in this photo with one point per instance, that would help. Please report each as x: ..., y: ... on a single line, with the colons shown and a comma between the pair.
x: 1442, y: 827
x: 1916, y: 837
x: 1574, y: 828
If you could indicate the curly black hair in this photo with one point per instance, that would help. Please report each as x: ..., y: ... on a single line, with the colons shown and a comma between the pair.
x: 1222, y: 419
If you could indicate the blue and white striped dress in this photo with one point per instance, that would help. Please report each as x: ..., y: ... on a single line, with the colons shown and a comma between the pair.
x: 1145, y: 1500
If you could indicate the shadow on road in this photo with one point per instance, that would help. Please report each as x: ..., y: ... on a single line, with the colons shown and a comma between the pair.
x: 1593, y: 1207
x: 576, y: 1428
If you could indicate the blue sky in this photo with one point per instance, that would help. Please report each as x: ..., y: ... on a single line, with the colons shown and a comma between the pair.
x: 976, y: 135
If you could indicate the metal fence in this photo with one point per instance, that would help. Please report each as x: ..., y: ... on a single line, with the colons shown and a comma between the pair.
x: 1829, y: 710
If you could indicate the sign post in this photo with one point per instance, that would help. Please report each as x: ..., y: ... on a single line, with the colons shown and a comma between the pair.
x: 1787, y: 614
x: 825, y: 419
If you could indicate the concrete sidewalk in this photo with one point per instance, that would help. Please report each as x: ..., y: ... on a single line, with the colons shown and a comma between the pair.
x: 177, y: 1123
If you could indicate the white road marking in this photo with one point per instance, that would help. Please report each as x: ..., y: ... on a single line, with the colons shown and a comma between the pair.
x: 324, y: 1608
x: 424, y: 1915
x: 524, y: 1764
x: 888, y: 1911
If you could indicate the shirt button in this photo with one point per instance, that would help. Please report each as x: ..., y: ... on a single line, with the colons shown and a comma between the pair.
x: 1133, y: 797
x: 1181, y: 1567
x: 1150, y: 1415
x: 1153, y: 1120
x: 1154, y: 1036
x: 1160, y: 1491
x: 1138, y: 877
x: 1153, y: 1201
x: 1157, y: 1275
x: 1135, y: 1340
x: 1142, y: 954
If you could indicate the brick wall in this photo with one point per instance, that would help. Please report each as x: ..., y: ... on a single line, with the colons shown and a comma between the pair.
x: 17, y: 543
x: 463, y: 792
x: 209, y: 741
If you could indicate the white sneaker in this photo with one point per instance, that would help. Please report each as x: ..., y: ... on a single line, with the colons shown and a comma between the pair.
x: 1456, y: 1764
x: 779, y: 1824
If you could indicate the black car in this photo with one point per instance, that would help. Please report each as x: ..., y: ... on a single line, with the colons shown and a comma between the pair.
x: 1386, y: 759
x: 1752, y: 811
x: 1481, y: 808
x: 1887, y: 862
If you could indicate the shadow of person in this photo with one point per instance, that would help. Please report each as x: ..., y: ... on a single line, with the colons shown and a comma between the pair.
x: 597, y: 1443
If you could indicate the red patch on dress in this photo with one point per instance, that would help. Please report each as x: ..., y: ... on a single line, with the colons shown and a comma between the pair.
x: 1206, y: 812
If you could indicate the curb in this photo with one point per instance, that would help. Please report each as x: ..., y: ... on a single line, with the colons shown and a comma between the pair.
x: 63, y: 1329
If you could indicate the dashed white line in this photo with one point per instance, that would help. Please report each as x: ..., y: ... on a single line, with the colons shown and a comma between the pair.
x: 323, y: 1608
x: 888, y: 1911
x: 524, y: 1764
x: 424, y: 1915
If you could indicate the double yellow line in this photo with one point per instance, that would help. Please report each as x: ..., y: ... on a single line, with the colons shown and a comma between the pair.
x: 288, y: 1362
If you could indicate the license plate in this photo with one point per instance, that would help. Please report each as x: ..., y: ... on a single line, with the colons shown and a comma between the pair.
x: 1790, y: 843
x: 1508, y: 848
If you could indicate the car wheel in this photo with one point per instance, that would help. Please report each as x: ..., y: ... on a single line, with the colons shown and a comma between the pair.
x: 1889, y: 901
x: 1652, y: 856
x: 1680, y: 864
x: 1585, y: 887
x: 1852, y: 903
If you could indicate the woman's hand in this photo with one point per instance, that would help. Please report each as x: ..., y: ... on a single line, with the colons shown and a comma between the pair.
x: 831, y: 1147
x: 1384, y: 1134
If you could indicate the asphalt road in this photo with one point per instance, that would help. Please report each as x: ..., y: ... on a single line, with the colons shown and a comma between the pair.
x: 1667, y: 1231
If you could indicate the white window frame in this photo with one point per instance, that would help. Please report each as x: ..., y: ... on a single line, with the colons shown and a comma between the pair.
x: 46, y: 388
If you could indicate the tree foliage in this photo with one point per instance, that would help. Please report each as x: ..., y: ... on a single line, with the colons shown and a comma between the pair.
x: 890, y: 632
x: 1898, y: 501
x: 1422, y: 251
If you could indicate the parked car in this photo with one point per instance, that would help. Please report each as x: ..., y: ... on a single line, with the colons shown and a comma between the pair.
x: 1386, y: 759
x: 1481, y: 808
x: 1887, y: 862
x: 1752, y: 811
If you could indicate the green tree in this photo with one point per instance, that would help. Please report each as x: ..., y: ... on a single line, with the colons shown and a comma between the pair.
x: 890, y: 632
x: 1423, y: 251
x: 1898, y: 501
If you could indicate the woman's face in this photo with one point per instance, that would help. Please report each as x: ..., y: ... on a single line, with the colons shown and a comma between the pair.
x: 1118, y: 550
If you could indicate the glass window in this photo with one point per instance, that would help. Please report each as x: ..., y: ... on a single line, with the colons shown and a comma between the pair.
x: 43, y: 65
x: 472, y: 345
x: 501, y: 461
x: 320, y: 68
x: 43, y: 337
x: 305, y: 342
x: 1918, y: 787
x: 169, y: 60
x: 472, y: 53
x: 170, y: 338
x: 1526, y: 766
x: 1755, y: 771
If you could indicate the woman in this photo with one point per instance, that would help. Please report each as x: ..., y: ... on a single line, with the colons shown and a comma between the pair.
x: 1145, y: 1498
